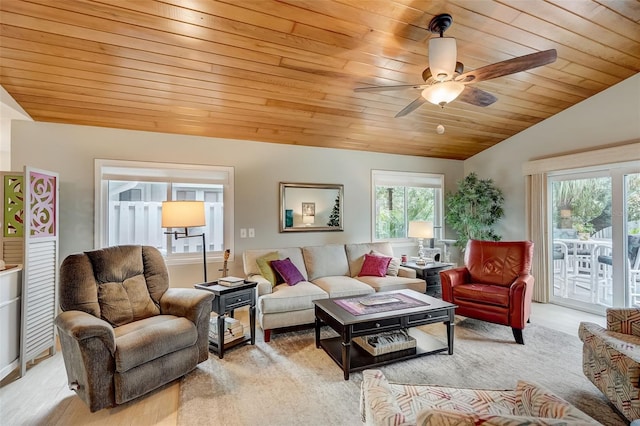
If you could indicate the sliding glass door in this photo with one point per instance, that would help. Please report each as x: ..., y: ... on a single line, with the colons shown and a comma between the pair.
x: 595, y: 229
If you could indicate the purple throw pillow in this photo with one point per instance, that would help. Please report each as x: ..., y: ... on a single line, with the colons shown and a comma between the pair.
x: 374, y: 266
x: 287, y: 270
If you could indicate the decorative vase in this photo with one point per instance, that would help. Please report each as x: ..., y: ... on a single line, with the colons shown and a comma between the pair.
x: 288, y: 218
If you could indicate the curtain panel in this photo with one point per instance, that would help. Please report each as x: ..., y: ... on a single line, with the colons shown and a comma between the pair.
x: 537, y: 218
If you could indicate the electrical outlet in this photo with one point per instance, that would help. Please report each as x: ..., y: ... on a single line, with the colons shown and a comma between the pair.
x: 252, y: 232
x: 243, y: 232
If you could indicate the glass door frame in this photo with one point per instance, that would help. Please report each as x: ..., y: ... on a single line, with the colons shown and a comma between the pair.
x: 616, y: 173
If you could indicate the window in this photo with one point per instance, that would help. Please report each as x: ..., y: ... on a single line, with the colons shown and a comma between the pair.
x: 129, y: 206
x: 400, y: 197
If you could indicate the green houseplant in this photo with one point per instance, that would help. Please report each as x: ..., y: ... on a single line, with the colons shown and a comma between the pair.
x: 473, y: 209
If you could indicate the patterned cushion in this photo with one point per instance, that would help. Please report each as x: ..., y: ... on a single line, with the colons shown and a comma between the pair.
x: 384, y: 403
x: 535, y: 401
x: 457, y: 418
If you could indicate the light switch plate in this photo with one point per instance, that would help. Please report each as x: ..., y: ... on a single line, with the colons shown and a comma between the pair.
x: 243, y: 232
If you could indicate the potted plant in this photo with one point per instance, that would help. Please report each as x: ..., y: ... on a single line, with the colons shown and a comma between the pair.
x: 584, y: 230
x: 473, y: 209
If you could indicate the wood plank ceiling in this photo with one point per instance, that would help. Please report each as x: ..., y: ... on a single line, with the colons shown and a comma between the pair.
x: 284, y: 71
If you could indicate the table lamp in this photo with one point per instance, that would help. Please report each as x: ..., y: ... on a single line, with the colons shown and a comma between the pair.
x: 185, y: 214
x: 421, y: 229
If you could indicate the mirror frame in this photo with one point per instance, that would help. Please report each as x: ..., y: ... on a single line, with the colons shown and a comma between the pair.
x: 284, y: 186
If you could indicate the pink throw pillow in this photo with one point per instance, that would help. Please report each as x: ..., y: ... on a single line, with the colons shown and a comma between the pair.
x: 374, y: 266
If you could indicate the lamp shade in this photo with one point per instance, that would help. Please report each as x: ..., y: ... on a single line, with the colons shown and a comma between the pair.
x: 420, y: 229
x: 182, y: 214
x: 442, y: 57
x: 442, y: 93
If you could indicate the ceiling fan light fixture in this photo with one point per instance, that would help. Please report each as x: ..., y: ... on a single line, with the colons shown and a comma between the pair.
x: 442, y: 93
x: 442, y: 57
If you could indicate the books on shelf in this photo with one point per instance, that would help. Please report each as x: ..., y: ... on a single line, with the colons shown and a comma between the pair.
x: 230, y: 281
x: 233, y: 329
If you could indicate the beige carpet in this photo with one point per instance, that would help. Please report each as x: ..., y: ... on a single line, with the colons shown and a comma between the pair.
x: 290, y: 382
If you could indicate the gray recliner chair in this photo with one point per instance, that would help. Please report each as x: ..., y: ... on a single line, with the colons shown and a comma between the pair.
x: 123, y: 331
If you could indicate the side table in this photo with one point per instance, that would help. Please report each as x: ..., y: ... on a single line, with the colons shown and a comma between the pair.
x: 430, y: 272
x: 226, y: 301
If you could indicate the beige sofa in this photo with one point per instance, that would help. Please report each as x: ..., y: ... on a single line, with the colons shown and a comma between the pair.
x: 329, y: 271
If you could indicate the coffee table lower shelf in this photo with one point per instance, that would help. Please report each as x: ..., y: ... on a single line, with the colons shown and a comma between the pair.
x: 360, y: 359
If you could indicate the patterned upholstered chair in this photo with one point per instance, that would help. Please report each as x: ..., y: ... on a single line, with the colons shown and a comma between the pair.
x: 384, y: 403
x: 611, y: 358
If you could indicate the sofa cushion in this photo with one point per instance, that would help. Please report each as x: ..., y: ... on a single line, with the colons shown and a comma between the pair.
x: 122, y: 287
x: 356, y: 252
x: 490, y: 294
x: 389, y: 283
x: 142, y: 341
x: 341, y: 286
x: 325, y: 261
x: 498, y: 262
x: 287, y: 270
x: 286, y: 298
x: 251, y: 266
x: 266, y: 270
x: 536, y: 401
x: 374, y: 266
x: 394, y: 264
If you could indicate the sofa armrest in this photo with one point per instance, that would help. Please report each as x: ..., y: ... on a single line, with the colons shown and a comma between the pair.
x: 378, y: 405
x: 405, y: 272
x: 186, y: 302
x: 195, y: 305
x: 624, y: 320
x: 264, y: 285
x: 625, y: 348
x: 80, y: 326
x: 88, y: 347
x: 450, y: 278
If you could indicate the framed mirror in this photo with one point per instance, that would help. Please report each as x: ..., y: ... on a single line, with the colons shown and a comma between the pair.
x: 311, y: 207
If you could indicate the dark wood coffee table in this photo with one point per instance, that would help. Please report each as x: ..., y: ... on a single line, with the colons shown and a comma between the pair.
x: 351, y: 357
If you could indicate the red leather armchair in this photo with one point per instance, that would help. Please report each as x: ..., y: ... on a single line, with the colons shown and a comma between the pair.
x: 495, y: 284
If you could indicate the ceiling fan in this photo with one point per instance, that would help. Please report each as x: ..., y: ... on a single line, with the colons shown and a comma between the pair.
x: 445, y: 79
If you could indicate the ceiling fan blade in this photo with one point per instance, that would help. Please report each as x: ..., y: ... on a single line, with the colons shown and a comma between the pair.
x: 412, y: 106
x: 510, y: 66
x: 477, y: 97
x: 385, y: 88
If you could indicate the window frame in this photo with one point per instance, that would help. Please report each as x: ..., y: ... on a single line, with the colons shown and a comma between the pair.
x: 412, y: 180
x: 106, y: 170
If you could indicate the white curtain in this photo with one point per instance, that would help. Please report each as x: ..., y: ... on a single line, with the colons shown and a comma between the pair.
x: 537, y: 217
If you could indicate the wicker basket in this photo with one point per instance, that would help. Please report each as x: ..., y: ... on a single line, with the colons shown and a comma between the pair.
x: 388, y: 341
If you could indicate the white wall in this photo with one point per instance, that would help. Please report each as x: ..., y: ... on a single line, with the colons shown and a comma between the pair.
x: 259, y: 167
x: 611, y: 117
x: 9, y: 110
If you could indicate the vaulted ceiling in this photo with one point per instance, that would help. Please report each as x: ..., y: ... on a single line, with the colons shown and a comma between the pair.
x: 285, y: 71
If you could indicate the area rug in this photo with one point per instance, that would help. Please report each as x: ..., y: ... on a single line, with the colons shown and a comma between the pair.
x: 289, y: 382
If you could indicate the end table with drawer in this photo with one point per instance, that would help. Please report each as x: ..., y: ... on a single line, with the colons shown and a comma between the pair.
x: 226, y: 301
x: 430, y: 272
